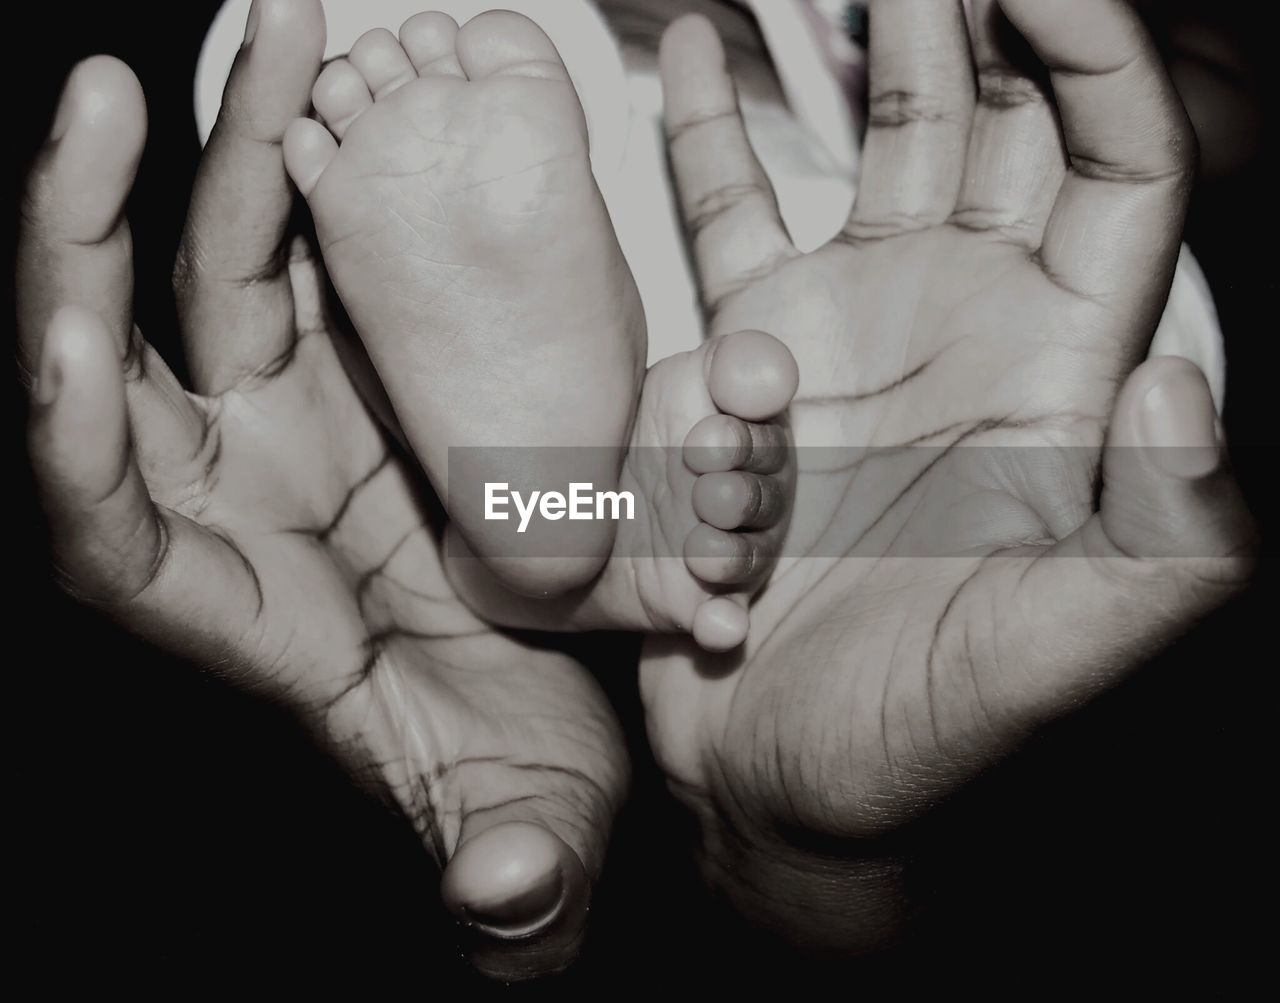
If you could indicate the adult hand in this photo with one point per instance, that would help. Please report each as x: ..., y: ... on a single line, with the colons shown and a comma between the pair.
x: 263, y: 525
x: 1001, y: 275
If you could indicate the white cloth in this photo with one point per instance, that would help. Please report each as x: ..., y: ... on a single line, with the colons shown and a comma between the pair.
x: 808, y: 150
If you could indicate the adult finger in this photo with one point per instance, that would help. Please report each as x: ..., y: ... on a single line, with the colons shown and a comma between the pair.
x: 74, y: 246
x: 1116, y: 225
x: 725, y: 197
x: 1171, y: 542
x: 230, y: 277
x: 158, y: 573
x: 921, y: 111
x: 1016, y: 161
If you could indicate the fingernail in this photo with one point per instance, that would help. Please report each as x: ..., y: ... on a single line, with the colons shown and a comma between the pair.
x: 49, y: 381
x: 251, y: 24
x: 1179, y: 425
x: 523, y: 913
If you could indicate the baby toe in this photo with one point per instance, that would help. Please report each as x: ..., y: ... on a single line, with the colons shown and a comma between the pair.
x: 503, y: 42
x: 721, y: 623
x: 723, y: 442
x: 308, y: 148
x: 735, y: 499
x: 720, y: 557
x: 340, y: 95
x: 752, y: 375
x: 430, y: 41
x: 382, y: 62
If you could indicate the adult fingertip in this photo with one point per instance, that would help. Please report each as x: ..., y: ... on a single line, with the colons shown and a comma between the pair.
x: 300, y: 22
x: 521, y: 895
x: 49, y: 375
x: 96, y: 142
x: 508, y: 879
x: 76, y: 344
x: 75, y: 334
x: 1177, y: 421
x: 687, y: 35
x: 104, y: 94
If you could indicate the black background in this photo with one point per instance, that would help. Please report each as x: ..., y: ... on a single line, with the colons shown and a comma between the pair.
x: 172, y: 829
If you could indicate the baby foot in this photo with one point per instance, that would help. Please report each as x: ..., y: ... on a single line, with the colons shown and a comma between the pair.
x: 713, y: 475
x: 461, y: 225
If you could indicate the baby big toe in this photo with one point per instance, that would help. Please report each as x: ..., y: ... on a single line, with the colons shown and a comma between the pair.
x: 503, y: 42
x: 382, y: 62
x: 752, y: 375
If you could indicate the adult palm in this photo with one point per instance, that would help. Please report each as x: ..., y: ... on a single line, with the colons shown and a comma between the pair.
x: 967, y: 348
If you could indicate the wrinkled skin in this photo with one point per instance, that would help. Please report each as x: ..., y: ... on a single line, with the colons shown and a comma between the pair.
x: 967, y: 345
x: 263, y: 526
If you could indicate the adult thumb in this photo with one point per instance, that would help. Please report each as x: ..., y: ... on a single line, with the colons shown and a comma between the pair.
x: 1172, y: 540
